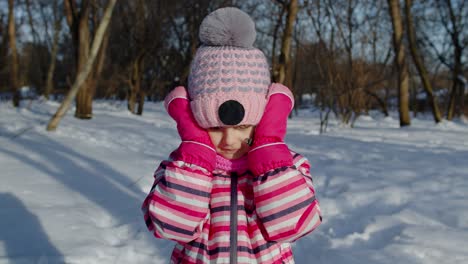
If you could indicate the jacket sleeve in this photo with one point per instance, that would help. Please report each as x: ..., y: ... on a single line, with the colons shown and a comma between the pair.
x: 177, y: 205
x: 285, y: 202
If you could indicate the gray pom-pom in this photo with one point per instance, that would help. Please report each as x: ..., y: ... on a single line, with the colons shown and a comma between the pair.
x: 228, y: 26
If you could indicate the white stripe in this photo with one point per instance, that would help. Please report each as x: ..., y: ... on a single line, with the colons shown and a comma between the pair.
x: 169, y: 236
x: 204, y: 235
x: 220, y: 260
x: 220, y: 199
x: 187, y: 201
x: 181, y: 164
x: 310, y: 183
x: 195, y: 255
x: 290, y: 222
x: 218, y: 240
x: 242, y: 259
x: 174, y: 218
x: 285, y: 246
x: 257, y: 238
x: 222, y: 182
x: 270, y: 255
x: 188, y: 178
x: 315, y: 219
x: 201, y: 144
x: 267, y: 145
x: 222, y: 218
x: 276, y: 180
x: 299, y: 162
x: 288, y: 199
x: 241, y: 237
x: 244, y: 180
x: 179, y: 247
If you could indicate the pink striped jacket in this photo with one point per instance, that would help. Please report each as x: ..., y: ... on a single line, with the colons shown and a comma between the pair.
x: 230, y: 216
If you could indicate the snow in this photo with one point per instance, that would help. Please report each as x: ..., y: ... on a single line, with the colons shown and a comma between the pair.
x: 388, y: 194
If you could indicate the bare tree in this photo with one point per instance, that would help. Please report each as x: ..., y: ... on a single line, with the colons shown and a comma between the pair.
x: 13, y: 54
x: 140, y: 23
x: 285, y: 56
x: 400, y: 62
x: 453, y: 19
x: 84, y: 72
x: 54, y: 47
x: 31, y: 21
x: 78, y: 20
x: 444, y: 36
x: 278, y: 23
x: 419, y: 64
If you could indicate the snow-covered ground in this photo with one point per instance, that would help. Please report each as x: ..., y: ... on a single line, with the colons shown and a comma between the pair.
x: 388, y: 194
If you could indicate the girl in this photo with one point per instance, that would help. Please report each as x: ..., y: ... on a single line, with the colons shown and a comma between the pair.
x: 232, y: 192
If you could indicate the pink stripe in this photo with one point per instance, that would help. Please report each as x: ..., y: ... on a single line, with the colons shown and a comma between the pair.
x: 304, y: 164
x: 175, y: 212
x: 194, y: 171
x: 168, y: 233
x: 173, y: 207
x: 280, y: 191
x: 279, y: 208
x: 223, y: 190
x: 181, y: 204
x: 184, y: 226
x: 287, y: 233
x: 182, y: 194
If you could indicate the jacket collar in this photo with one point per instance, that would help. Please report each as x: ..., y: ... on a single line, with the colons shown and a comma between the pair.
x: 228, y: 165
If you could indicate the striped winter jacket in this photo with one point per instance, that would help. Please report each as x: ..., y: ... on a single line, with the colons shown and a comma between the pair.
x: 230, y: 216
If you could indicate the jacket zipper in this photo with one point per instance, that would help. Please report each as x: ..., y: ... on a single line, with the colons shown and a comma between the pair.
x: 233, y: 218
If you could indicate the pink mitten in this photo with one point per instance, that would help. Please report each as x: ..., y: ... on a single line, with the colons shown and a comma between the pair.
x: 269, y: 150
x: 196, y: 147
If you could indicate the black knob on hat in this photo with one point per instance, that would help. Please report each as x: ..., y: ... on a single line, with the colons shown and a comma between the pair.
x: 231, y: 112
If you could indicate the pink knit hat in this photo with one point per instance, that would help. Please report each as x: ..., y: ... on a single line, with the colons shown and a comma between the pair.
x: 229, y: 78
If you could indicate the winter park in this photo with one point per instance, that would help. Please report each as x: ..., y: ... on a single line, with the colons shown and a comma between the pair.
x: 374, y: 95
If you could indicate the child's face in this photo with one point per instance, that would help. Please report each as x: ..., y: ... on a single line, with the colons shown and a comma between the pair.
x: 230, y: 142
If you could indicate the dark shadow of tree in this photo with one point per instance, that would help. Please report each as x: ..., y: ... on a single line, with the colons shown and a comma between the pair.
x: 106, y: 187
x: 22, y: 234
x: 94, y: 179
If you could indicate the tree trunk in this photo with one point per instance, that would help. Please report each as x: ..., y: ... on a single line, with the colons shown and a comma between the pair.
x: 273, y: 48
x: 400, y: 62
x: 14, y: 56
x: 53, y: 57
x: 419, y: 65
x: 286, y: 42
x: 141, y: 102
x: 135, y: 82
x: 83, y: 74
x: 83, y: 108
x: 31, y: 21
x: 382, y: 103
x: 456, y: 95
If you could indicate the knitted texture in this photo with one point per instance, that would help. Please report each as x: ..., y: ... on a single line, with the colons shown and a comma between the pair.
x: 228, y: 68
x: 231, y: 165
x: 219, y: 74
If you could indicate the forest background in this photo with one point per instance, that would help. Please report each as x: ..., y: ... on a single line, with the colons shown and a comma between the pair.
x: 344, y: 57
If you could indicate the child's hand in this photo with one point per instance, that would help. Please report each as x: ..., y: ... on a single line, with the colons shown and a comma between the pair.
x: 272, y: 126
x: 196, y: 144
x: 178, y: 106
x: 268, y: 150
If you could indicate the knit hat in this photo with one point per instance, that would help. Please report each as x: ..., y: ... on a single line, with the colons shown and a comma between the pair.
x: 229, y: 78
